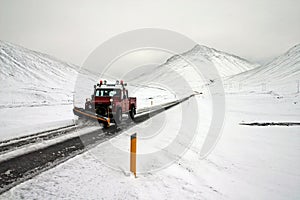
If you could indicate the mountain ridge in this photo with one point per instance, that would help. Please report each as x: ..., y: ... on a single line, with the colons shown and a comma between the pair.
x: 29, y: 77
x: 227, y: 64
x: 281, y: 74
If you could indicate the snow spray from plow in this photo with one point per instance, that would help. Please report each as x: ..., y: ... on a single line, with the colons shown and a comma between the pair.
x: 113, y: 60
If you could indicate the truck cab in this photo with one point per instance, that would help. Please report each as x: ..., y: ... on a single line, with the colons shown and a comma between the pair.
x: 111, y: 101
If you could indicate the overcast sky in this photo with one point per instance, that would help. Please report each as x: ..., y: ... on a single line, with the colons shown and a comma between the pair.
x: 72, y: 29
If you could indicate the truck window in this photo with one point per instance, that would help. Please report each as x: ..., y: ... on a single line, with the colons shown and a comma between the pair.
x: 107, y: 93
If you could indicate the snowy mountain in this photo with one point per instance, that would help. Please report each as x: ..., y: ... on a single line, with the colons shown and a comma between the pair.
x: 227, y: 64
x: 178, y: 68
x: 30, y: 78
x: 280, y: 75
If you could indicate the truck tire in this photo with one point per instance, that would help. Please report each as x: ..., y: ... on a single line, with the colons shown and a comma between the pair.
x: 132, y: 112
x: 118, y: 117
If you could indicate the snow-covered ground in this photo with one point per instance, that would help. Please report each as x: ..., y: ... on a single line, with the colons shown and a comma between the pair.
x: 22, y: 121
x: 248, y: 162
x: 37, y: 91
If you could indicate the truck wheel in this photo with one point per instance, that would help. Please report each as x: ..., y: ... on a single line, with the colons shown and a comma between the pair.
x: 118, y: 117
x: 105, y: 125
x: 132, y: 112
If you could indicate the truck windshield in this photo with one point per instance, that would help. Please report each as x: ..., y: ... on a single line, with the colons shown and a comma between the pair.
x: 108, y: 93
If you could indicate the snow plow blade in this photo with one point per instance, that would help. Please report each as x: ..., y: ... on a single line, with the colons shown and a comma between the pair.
x: 80, y: 112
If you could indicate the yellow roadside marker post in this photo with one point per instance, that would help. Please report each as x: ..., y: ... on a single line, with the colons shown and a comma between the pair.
x: 133, y: 154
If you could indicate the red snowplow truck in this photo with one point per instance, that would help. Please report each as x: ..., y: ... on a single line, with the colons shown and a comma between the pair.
x: 108, y: 104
